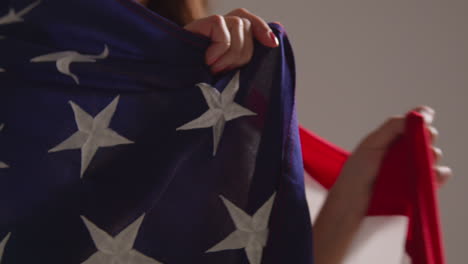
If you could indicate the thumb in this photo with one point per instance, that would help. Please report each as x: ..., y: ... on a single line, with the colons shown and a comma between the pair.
x: 383, y: 136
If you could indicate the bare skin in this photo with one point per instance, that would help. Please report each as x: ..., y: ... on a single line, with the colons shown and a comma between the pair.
x: 232, y: 38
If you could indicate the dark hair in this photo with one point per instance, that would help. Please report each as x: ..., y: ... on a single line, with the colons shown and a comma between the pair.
x: 181, y: 12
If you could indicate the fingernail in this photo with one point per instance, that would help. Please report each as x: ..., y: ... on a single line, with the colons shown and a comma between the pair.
x: 274, y: 38
x: 428, y: 117
x: 444, y: 171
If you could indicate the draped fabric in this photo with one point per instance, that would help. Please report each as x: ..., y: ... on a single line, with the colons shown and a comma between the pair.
x: 402, y: 224
x: 117, y: 145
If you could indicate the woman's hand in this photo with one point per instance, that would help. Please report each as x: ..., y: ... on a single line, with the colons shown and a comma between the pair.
x: 348, y: 200
x: 232, y: 38
x: 361, y: 169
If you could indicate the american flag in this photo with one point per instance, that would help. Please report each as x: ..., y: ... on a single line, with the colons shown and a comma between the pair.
x: 118, y: 145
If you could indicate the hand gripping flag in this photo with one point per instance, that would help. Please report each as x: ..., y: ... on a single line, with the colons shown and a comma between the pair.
x: 117, y: 145
x: 402, y: 225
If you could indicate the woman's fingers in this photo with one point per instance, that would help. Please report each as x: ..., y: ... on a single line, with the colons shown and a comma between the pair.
x: 427, y: 112
x: 248, y: 50
x: 443, y: 174
x: 216, y: 29
x: 232, y: 41
x: 378, y: 141
x: 433, y: 132
x: 232, y: 38
x: 242, y: 47
x: 232, y: 57
x: 260, y: 28
x: 381, y: 138
x: 437, y: 152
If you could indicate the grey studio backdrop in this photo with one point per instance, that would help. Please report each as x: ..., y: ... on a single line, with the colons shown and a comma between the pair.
x: 359, y: 62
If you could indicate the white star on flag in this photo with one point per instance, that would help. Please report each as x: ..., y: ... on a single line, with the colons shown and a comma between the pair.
x: 3, y: 165
x: 13, y: 17
x: 251, y: 233
x: 2, y: 246
x: 118, y: 249
x: 92, y: 133
x: 222, y: 108
x: 65, y: 58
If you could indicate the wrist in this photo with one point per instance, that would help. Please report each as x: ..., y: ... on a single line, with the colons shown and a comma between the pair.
x: 337, y: 223
x: 352, y: 199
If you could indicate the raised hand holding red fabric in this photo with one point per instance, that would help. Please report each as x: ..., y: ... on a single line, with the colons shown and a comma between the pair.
x: 349, y: 198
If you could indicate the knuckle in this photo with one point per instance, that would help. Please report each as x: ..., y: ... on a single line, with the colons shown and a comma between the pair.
x: 434, y: 132
x: 393, y: 119
x: 216, y: 19
x: 241, y: 10
x: 247, y: 23
x: 235, y: 21
x: 437, y: 152
x: 392, y: 125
